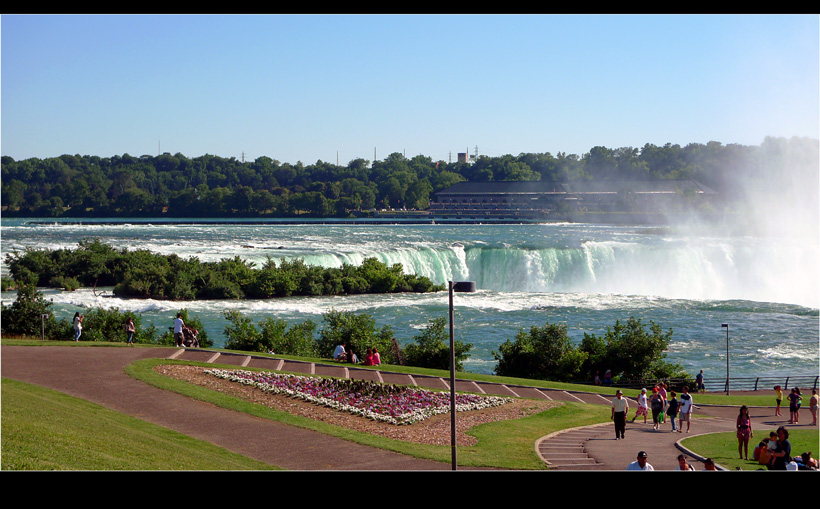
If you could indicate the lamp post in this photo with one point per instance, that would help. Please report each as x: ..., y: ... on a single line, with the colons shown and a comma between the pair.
x: 727, y: 356
x: 461, y: 286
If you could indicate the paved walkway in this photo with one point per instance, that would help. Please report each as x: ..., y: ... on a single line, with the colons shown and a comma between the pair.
x: 96, y: 374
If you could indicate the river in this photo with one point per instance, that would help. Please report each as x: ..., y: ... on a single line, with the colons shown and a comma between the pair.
x: 586, y: 276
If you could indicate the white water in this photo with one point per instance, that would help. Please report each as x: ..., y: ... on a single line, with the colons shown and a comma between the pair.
x: 587, y: 276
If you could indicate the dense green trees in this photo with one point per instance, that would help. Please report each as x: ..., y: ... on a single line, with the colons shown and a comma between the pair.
x: 211, y: 186
x: 144, y: 274
x: 629, y: 350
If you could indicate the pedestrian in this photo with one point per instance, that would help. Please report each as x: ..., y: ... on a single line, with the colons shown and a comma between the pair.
x: 709, y: 464
x: 641, y: 463
x: 699, y: 380
x: 813, y: 406
x: 779, y: 398
x: 78, y: 325
x: 795, y: 400
x: 672, y: 409
x: 642, y: 407
x: 130, y: 329
x: 686, y: 404
x: 377, y: 358
x: 620, y: 407
x: 656, y: 402
x: 662, y: 392
x: 178, y: 326
x: 744, y: 432
x: 340, y: 354
x: 608, y: 377
x: 783, y: 450
x: 682, y: 464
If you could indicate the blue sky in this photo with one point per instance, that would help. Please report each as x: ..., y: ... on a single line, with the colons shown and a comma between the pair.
x: 309, y: 87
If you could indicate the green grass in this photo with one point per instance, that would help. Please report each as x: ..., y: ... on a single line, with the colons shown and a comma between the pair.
x: 48, y: 430
x: 722, y: 447
x: 502, y: 445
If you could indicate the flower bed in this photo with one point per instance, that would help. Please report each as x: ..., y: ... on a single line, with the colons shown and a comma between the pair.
x: 395, y: 404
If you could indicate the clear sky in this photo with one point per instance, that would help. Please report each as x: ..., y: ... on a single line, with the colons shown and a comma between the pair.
x: 309, y: 87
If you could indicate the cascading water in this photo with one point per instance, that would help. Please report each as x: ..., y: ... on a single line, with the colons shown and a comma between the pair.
x: 585, y: 276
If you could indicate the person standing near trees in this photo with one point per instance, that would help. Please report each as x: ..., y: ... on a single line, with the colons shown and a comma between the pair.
x: 178, y: 325
x: 130, y: 329
x: 620, y: 407
x: 78, y: 325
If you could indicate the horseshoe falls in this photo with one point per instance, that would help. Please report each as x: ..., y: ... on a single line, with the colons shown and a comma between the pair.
x: 586, y: 276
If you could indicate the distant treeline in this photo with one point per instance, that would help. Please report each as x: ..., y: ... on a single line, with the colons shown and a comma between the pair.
x: 210, y: 186
x: 143, y: 274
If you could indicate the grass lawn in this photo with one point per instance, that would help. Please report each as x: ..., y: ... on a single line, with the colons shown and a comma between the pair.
x: 48, y: 430
x: 722, y: 447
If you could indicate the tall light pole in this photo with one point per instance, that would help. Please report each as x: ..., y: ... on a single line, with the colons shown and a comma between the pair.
x: 727, y: 356
x: 461, y: 286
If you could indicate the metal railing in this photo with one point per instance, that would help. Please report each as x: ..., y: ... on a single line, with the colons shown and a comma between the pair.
x: 763, y: 383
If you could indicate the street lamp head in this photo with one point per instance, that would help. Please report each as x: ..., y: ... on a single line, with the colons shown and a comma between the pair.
x: 464, y: 286
x: 725, y: 325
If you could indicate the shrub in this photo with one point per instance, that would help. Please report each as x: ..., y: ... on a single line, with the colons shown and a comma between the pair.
x: 631, y: 352
x: 432, y: 348
x: 25, y: 315
x: 544, y: 353
x: 359, y: 332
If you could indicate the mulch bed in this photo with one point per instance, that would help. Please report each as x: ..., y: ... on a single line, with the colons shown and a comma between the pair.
x: 432, y: 431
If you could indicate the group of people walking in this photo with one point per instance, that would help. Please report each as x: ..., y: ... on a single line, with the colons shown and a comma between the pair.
x: 662, y: 403
x: 773, y: 452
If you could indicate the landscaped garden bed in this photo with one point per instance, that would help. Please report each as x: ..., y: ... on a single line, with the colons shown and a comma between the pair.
x: 434, y: 429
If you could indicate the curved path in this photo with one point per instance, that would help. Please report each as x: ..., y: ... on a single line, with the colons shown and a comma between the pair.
x: 595, y: 447
x: 97, y: 374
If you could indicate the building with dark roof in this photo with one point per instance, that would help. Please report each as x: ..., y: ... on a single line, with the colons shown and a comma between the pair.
x: 564, y: 200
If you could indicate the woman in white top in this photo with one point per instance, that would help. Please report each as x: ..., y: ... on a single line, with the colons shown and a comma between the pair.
x: 78, y: 325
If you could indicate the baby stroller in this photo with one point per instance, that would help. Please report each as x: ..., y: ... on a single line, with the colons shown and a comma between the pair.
x: 189, y: 337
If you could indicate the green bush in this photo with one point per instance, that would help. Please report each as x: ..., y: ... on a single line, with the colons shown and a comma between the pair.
x: 358, y: 331
x: 25, y: 316
x: 544, y: 353
x: 432, y: 348
x: 296, y: 340
x: 66, y: 283
x: 631, y: 352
